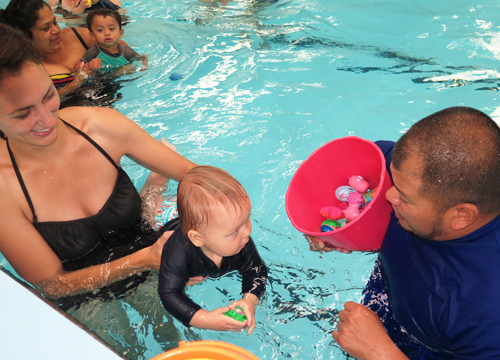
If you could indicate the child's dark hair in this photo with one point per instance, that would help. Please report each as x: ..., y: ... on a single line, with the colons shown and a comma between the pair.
x: 104, y: 13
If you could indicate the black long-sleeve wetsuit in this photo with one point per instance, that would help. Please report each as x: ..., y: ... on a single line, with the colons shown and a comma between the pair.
x: 182, y: 260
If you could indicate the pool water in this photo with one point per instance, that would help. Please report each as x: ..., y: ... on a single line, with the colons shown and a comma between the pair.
x: 265, y: 84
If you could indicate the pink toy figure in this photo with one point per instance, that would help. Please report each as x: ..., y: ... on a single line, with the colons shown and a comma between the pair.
x: 352, y: 212
x: 358, y: 183
x: 332, y: 212
x: 343, y: 205
x: 356, y: 198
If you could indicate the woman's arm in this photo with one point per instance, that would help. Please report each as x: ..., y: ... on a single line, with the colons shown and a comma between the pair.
x: 33, y: 259
x: 119, y: 136
x: 68, y: 283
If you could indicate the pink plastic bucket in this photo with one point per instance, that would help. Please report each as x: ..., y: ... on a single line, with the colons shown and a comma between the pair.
x: 315, y: 181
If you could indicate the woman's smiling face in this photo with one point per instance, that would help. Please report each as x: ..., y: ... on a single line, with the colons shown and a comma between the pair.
x: 46, y: 32
x: 29, y: 105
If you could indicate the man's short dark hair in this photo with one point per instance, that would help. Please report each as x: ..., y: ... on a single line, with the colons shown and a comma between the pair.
x: 104, y: 13
x: 458, y: 155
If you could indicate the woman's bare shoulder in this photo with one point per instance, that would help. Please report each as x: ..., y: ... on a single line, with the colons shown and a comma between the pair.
x: 84, y: 33
x: 99, y: 121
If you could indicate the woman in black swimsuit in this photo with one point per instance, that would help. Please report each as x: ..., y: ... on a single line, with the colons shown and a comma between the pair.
x: 65, y: 203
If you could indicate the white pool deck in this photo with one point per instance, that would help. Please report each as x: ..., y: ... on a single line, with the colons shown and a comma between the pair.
x: 32, y: 329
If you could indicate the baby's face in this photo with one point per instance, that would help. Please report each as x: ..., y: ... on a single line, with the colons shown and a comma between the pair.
x: 106, y: 31
x: 228, y: 231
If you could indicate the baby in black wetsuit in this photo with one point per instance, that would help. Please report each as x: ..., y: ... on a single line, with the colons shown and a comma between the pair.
x: 211, y: 238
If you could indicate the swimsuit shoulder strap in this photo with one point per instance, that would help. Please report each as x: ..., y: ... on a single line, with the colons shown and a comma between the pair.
x: 97, y: 146
x: 20, y: 178
x: 79, y: 38
x: 21, y: 182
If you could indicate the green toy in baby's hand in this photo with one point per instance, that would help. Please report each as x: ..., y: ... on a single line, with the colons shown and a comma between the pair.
x: 236, y: 314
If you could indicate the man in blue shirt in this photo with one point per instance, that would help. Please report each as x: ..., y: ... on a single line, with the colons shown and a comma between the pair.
x: 435, y: 289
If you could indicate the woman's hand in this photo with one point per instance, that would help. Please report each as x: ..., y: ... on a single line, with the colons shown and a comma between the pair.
x: 153, y: 259
x: 361, y: 334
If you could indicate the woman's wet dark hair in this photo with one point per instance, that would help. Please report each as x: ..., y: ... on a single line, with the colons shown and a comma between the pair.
x: 15, y: 51
x: 22, y: 15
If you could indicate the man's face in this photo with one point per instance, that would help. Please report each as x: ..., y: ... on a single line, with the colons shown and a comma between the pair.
x: 415, y: 213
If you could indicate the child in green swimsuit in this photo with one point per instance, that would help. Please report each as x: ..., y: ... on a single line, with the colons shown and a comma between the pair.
x: 105, y: 27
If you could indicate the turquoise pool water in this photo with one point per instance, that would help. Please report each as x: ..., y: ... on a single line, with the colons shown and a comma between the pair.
x: 265, y: 84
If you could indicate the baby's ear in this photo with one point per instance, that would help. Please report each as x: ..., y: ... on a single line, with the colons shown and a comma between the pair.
x: 195, y: 237
x: 121, y: 33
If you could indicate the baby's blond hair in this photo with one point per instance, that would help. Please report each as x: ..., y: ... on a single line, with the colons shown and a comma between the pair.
x: 201, y: 191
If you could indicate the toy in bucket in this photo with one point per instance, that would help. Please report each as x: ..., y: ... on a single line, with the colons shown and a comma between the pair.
x: 353, y: 201
x: 317, y: 187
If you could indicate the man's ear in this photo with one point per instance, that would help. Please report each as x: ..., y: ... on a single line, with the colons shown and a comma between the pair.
x: 465, y: 214
x: 195, y: 237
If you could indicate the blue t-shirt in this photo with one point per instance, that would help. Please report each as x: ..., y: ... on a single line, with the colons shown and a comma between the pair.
x: 445, y: 293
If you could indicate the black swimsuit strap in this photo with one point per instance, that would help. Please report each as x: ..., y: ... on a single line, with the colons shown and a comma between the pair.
x: 20, y: 178
x: 21, y: 182
x: 79, y: 37
x: 98, y: 147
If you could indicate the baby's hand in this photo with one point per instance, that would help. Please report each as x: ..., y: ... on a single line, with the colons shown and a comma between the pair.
x: 248, y: 304
x: 216, y: 320
x: 95, y: 64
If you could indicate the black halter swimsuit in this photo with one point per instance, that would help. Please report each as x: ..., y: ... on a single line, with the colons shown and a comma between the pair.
x: 109, y: 234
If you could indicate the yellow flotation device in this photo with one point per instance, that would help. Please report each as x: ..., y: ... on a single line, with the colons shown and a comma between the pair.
x: 206, y: 350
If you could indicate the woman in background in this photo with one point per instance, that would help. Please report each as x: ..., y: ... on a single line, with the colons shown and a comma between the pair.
x: 60, y: 50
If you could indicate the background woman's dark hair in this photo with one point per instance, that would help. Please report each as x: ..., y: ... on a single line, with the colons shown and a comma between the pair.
x: 22, y: 14
x: 15, y: 51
